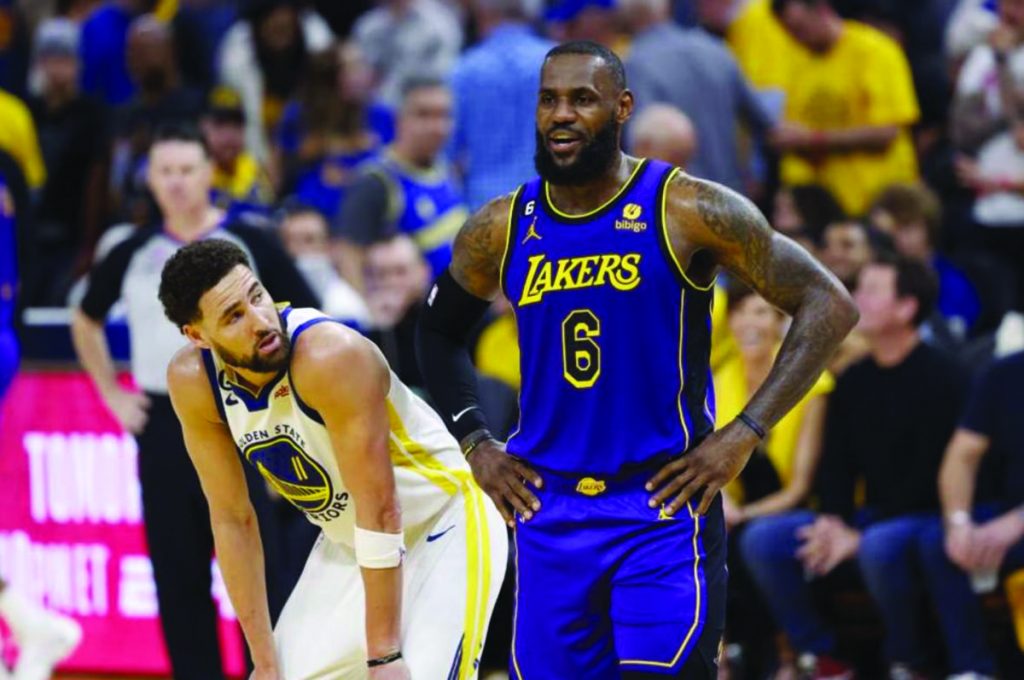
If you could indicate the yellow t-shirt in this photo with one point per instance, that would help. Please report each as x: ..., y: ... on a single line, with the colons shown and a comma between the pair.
x: 731, y: 396
x: 247, y: 183
x: 723, y: 344
x: 18, y: 138
x: 497, y: 351
x: 764, y: 50
x: 863, y: 80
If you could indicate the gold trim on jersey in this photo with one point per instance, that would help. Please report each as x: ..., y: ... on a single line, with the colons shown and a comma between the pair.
x: 668, y: 241
x: 408, y: 454
x: 682, y: 376
x: 618, y: 194
x: 696, y: 611
x: 515, y: 606
x: 508, y: 240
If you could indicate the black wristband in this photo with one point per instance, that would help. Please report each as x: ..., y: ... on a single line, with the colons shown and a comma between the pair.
x: 754, y: 426
x: 473, y: 440
x: 384, y: 660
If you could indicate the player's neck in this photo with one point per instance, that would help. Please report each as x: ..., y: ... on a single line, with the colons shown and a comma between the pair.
x: 585, y: 197
x: 251, y: 380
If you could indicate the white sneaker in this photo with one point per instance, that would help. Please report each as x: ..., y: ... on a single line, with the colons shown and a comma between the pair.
x: 970, y: 676
x: 50, y: 639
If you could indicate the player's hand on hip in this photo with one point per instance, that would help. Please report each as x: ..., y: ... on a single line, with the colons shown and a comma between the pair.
x: 396, y: 670
x: 504, y: 478
x: 130, y: 408
x: 713, y: 464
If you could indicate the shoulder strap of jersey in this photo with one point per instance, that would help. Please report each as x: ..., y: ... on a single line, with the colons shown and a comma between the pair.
x: 210, y: 364
x: 515, y: 212
x: 298, y: 319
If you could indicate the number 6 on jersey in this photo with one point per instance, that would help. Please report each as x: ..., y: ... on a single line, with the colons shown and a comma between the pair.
x: 581, y: 355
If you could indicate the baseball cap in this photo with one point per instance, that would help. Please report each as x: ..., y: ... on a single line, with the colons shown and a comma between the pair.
x: 225, y: 104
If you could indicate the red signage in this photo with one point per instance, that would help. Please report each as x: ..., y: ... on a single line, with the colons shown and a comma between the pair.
x: 71, y: 526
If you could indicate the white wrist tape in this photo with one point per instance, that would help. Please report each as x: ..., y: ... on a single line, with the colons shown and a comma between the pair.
x: 377, y: 550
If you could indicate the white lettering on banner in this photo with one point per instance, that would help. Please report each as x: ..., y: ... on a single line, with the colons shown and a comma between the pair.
x: 69, y: 577
x: 83, y: 477
x: 136, y: 596
x: 220, y: 593
x: 72, y: 578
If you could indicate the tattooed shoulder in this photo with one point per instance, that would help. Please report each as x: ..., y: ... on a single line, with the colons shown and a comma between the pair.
x: 714, y: 218
x: 479, y: 247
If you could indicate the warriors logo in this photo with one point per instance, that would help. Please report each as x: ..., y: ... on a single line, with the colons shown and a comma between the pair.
x: 296, y: 476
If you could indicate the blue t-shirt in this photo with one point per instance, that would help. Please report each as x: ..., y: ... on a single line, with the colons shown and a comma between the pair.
x: 102, y: 49
x: 958, y: 300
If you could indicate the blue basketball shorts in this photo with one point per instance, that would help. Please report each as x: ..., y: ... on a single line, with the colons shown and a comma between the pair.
x: 607, y: 587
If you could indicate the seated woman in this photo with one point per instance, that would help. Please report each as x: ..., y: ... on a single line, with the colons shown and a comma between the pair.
x: 780, y: 473
x: 329, y: 129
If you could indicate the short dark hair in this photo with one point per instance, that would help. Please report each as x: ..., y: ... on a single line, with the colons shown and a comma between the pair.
x: 816, y: 206
x: 191, y: 272
x: 912, y: 203
x: 593, y: 49
x: 915, y: 279
x: 779, y: 5
x: 421, y: 82
x: 179, y: 131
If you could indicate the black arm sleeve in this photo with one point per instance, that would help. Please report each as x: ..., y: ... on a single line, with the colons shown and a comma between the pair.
x: 449, y: 314
x: 275, y: 268
x: 364, y: 213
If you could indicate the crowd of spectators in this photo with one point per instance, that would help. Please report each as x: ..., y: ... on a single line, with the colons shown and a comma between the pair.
x: 885, y: 136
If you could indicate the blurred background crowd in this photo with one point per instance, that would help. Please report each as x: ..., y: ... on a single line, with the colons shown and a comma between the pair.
x: 880, y: 525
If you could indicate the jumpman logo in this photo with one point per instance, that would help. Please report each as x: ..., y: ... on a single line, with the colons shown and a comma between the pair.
x: 532, y: 232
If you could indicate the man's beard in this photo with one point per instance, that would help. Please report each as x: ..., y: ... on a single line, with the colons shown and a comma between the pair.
x: 592, y: 161
x: 273, y: 363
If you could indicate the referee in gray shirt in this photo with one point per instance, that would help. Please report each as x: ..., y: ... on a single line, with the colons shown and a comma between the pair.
x: 177, y: 518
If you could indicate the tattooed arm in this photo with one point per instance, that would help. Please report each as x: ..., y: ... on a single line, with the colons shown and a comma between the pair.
x: 709, y: 227
x: 455, y: 304
x: 479, y: 247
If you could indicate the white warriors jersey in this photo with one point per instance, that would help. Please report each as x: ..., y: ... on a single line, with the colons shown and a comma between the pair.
x: 286, y: 440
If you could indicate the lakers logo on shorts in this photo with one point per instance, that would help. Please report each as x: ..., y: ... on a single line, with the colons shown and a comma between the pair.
x: 589, y: 486
x: 295, y: 475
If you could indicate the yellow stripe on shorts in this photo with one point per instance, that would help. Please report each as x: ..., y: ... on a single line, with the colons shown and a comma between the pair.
x: 409, y: 454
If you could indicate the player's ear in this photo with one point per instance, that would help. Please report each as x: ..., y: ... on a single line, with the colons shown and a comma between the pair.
x: 624, y: 108
x: 192, y: 333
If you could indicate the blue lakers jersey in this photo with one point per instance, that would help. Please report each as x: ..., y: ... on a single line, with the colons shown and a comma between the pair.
x: 425, y: 204
x: 614, y: 340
